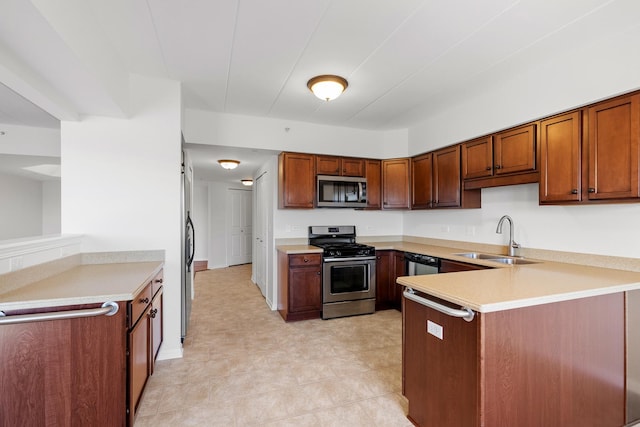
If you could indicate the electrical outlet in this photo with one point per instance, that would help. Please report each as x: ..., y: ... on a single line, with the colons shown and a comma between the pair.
x: 435, y: 329
x: 16, y: 263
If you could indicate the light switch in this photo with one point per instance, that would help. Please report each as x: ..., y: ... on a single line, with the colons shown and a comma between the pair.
x: 434, y: 329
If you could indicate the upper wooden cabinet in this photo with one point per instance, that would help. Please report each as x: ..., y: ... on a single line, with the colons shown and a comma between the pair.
x: 373, y: 173
x: 591, y: 155
x: 505, y: 158
x: 614, y: 131
x: 345, y: 166
x: 560, y: 158
x: 436, y: 182
x: 296, y: 180
x: 395, y: 183
x: 422, y: 181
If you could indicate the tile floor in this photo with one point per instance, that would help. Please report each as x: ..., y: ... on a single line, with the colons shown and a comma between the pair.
x: 244, y: 366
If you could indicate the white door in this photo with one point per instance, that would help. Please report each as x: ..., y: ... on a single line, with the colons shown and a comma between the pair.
x: 262, y: 206
x: 239, y: 206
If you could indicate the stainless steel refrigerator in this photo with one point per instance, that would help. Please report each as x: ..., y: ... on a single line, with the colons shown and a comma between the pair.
x: 188, y: 246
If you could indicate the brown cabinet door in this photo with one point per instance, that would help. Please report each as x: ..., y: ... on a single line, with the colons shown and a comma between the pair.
x: 156, y: 327
x: 139, y: 360
x: 614, y: 130
x: 446, y: 177
x: 477, y: 158
x: 515, y: 150
x: 327, y: 165
x: 296, y: 180
x: 395, y: 183
x: 440, y: 375
x: 374, y: 184
x: 384, y: 279
x: 352, y: 167
x: 560, y: 158
x: 448, y: 266
x: 305, y: 289
x: 421, y: 181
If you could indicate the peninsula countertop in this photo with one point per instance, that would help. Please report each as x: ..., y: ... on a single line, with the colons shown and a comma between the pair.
x: 504, y: 287
x: 83, y: 284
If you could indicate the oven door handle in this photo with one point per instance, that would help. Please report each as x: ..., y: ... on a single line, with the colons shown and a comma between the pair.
x: 361, y: 258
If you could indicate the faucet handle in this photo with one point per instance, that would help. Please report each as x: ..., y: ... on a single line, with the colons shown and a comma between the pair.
x: 515, y: 245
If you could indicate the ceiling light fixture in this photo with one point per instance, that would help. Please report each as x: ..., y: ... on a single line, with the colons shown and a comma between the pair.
x: 229, y: 164
x: 247, y: 182
x: 327, y: 87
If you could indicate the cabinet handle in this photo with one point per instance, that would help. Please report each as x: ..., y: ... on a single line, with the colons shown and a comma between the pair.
x: 591, y: 190
x: 158, y: 280
x: 574, y: 191
x: 498, y: 167
x: 378, y: 257
x: 144, y: 300
x: 306, y: 260
x: 318, y: 273
x: 153, y: 313
x: 488, y: 168
x: 466, y: 313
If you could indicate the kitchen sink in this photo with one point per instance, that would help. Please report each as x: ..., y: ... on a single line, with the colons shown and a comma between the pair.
x: 496, y: 258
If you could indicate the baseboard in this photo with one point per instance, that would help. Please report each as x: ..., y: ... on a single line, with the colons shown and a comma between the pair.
x: 200, y: 265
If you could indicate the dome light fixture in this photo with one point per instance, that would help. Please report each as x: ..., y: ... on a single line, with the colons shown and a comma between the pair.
x: 247, y: 182
x: 229, y: 164
x: 327, y: 87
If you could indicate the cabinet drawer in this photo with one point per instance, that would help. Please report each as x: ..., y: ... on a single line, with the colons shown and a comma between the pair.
x: 156, y: 283
x: 304, y: 259
x: 138, y: 305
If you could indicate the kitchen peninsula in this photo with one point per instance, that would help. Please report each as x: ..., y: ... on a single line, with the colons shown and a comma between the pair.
x: 547, y: 345
x: 79, y: 337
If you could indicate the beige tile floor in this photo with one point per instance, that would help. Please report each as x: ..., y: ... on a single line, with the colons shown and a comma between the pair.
x: 244, y: 366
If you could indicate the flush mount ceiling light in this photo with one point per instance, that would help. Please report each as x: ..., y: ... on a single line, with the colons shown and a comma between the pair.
x: 247, y: 182
x: 327, y: 87
x: 229, y: 164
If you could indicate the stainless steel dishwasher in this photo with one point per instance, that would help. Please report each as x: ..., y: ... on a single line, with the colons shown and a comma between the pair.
x: 418, y: 264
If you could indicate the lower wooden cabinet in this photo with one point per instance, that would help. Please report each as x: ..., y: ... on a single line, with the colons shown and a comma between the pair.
x: 143, y: 342
x: 557, y: 364
x: 300, y: 286
x: 389, y: 266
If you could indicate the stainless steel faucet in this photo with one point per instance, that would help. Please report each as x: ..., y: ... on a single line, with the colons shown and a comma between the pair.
x: 512, y: 244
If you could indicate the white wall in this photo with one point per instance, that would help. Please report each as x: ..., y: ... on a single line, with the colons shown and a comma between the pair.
x: 200, y: 218
x: 21, y: 212
x: 51, y: 207
x: 121, y: 185
x: 585, y: 74
x: 30, y: 141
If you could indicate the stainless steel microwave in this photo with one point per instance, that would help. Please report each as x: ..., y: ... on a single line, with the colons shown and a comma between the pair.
x: 341, y: 192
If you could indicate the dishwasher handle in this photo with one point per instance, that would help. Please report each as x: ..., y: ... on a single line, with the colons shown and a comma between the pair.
x: 464, y: 312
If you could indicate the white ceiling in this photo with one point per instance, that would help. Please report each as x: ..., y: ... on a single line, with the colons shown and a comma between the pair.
x: 404, y: 59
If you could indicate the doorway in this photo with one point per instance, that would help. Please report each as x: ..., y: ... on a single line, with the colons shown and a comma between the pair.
x: 240, y: 237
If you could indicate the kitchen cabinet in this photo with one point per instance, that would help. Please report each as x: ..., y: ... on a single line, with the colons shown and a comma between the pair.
x: 344, y: 166
x: 614, y: 131
x: 373, y: 173
x: 389, y: 266
x: 395, y: 183
x: 591, y: 155
x: 523, y: 367
x: 504, y: 158
x: 296, y: 180
x: 561, y: 158
x: 450, y: 266
x: 436, y: 182
x: 299, y: 286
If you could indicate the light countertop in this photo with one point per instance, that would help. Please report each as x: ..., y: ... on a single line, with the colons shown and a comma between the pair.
x: 505, y: 287
x: 83, y: 284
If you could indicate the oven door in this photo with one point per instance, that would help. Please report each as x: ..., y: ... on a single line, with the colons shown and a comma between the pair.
x: 348, y: 279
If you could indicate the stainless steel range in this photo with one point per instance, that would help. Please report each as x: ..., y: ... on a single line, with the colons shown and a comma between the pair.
x: 348, y: 271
